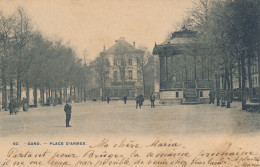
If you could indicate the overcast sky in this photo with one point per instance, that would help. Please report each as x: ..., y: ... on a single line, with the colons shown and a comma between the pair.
x: 91, y: 24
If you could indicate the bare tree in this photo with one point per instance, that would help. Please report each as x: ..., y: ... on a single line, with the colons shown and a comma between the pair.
x: 22, y: 30
x: 6, y: 40
x: 102, y: 66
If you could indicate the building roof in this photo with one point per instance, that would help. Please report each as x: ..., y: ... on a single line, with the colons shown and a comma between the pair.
x: 121, y: 46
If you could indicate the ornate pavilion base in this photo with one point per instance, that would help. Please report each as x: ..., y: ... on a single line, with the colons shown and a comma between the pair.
x: 191, y: 93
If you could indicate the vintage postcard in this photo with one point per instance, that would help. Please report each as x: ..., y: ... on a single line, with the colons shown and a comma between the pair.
x: 138, y: 83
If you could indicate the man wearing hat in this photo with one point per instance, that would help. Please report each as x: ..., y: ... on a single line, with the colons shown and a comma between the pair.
x: 67, y: 109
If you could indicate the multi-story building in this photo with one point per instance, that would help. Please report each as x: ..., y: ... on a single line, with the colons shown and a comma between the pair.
x: 125, y: 73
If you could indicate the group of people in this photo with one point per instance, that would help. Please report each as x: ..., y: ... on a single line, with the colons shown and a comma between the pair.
x: 139, y: 100
x: 222, y: 96
x: 14, y: 105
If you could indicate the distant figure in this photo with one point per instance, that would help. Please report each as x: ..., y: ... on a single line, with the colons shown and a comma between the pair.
x: 152, y: 99
x: 218, y: 96
x: 108, y: 99
x: 13, y: 106
x: 223, y: 98
x: 67, y: 109
x: 125, y: 98
x: 141, y: 100
x: 24, y: 102
x: 211, y: 96
x: 137, y: 101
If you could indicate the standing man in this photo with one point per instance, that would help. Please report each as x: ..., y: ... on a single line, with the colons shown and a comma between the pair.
x: 125, y: 98
x: 152, y: 99
x: 11, y: 106
x: 24, y: 102
x: 67, y: 109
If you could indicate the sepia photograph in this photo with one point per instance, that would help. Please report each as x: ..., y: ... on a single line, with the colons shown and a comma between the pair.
x: 165, y: 83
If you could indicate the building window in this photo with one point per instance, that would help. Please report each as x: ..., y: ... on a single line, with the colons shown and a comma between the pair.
x: 115, y: 76
x: 139, y: 77
x: 201, y: 93
x: 107, y: 76
x: 138, y: 62
x: 129, y: 62
x: 177, y: 94
x: 115, y: 62
x: 130, y: 74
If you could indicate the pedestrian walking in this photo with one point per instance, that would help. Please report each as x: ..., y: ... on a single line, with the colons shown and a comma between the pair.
x: 108, y: 99
x: 141, y: 100
x: 68, y: 111
x: 212, y: 97
x: 13, y: 106
x: 218, y: 95
x: 137, y: 101
x: 125, y: 98
x: 152, y: 99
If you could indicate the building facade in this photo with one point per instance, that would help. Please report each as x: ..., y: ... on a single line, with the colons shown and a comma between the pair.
x: 124, y: 75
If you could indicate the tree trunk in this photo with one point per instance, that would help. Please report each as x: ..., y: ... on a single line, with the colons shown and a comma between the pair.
x: 56, y: 96
x: 81, y: 94
x: 258, y: 53
x: 78, y: 94
x: 239, y: 76
x: 231, y: 76
x: 27, y: 94
x: 11, y: 90
x: 61, y: 97
x: 243, y: 81
x: 49, y: 93
x: 4, y: 96
x: 18, y: 87
x: 70, y: 92
x: 43, y: 97
x: 65, y: 93
x: 35, y: 95
x: 74, y: 93
x: 85, y: 95
x: 51, y: 96
x: 249, y: 76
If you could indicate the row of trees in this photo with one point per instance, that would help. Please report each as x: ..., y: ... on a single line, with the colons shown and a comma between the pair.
x: 28, y: 59
x: 228, y: 38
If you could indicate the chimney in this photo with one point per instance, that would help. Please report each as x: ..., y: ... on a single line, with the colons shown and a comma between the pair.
x: 104, y: 48
x: 134, y: 44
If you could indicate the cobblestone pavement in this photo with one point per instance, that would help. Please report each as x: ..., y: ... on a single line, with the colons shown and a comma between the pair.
x: 116, y: 118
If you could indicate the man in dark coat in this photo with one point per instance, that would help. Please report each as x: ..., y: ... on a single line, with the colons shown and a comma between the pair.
x: 125, y: 98
x: 152, y: 99
x: 137, y: 101
x: 141, y: 100
x: 24, y: 102
x: 211, y: 96
x: 108, y: 99
x: 67, y: 109
x: 11, y: 107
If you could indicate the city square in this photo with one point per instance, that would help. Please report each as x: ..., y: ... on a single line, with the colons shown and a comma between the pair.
x: 99, y: 118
